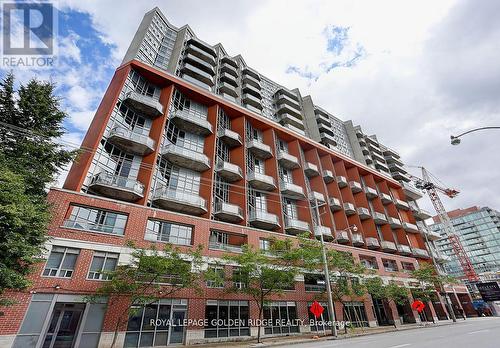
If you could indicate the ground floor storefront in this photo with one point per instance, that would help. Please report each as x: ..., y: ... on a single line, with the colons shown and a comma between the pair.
x: 54, y: 320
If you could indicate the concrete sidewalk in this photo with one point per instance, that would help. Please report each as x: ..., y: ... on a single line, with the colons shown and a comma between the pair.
x: 311, y: 337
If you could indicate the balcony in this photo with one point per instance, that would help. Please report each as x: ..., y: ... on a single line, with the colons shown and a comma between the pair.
x: 286, y: 92
x: 291, y: 190
x: 325, y: 231
x: 171, y: 198
x: 357, y: 240
x: 421, y: 214
x: 131, y: 141
x: 401, y: 177
x: 264, y: 220
x: 190, y: 123
x: 229, y: 68
x: 259, y: 149
x: 294, y: 129
x: 199, y: 63
x: 118, y: 187
x: 355, y: 186
x: 146, y: 105
x: 283, y: 98
x: 404, y: 250
x: 410, y: 228
x: 287, y: 109
x: 202, y: 49
x: 341, y: 181
x: 420, y: 253
x: 289, y: 119
x: 335, y: 204
x: 322, y: 118
x: 431, y: 235
x: 439, y: 256
x: 229, y: 171
x: 249, y: 72
x: 228, y: 88
x: 296, y: 226
x: 186, y: 158
x: 379, y: 218
x: 288, y: 161
x: 228, y: 78
x: 328, y: 176
x: 327, y: 139
x: 228, y: 212
x: 261, y: 181
x: 372, y: 243
x: 394, y: 167
x: 411, y: 191
x: 395, y: 222
x: 314, y: 282
x: 229, y: 137
x: 250, y: 99
x: 386, y: 198
x: 388, y: 247
x: 370, y: 193
x: 198, y: 74
x: 342, y: 237
x: 401, y: 204
x: 311, y: 169
x: 349, y: 209
x: 317, y: 196
x: 364, y: 213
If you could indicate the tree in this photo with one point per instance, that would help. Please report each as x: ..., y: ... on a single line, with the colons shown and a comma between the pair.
x: 265, y: 274
x: 29, y: 130
x: 391, y: 292
x: 23, y: 222
x: 30, y: 123
x: 152, y: 275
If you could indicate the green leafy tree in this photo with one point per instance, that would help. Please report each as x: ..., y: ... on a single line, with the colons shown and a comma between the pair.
x: 264, y: 275
x: 30, y: 123
x: 23, y: 222
x: 152, y: 275
x: 392, y: 292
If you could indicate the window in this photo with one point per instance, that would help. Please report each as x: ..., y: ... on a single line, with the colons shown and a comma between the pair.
x: 102, y: 264
x: 168, y: 232
x: 369, y: 262
x: 390, y: 265
x: 265, y: 244
x: 278, y: 313
x: 61, y: 262
x: 141, y: 332
x: 227, y: 319
x: 98, y: 220
x: 314, y: 282
x: 355, y: 313
x: 240, y: 278
x: 408, y: 266
x: 219, y: 273
x: 226, y: 241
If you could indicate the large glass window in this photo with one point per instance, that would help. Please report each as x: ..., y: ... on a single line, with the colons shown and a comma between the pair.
x: 227, y: 319
x: 355, y: 313
x: 102, y: 264
x: 61, y: 262
x: 169, y: 232
x: 97, y: 220
x: 219, y: 281
x: 322, y: 323
x: 283, y: 316
x: 156, y: 324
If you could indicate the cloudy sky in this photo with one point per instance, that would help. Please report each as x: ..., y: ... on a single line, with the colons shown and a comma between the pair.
x: 412, y: 72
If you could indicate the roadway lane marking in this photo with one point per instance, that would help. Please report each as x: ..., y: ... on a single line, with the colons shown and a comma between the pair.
x: 400, y: 345
x: 478, y: 331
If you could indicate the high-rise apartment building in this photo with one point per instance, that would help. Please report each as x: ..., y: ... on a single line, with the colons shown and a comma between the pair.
x: 479, y: 231
x: 191, y: 146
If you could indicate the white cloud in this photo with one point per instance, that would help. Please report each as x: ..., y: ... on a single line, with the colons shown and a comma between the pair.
x: 429, y: 69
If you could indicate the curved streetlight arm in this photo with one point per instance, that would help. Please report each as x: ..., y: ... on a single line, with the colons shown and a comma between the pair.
x: 474, y: 130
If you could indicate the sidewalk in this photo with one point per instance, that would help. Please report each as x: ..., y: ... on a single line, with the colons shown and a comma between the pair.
x: 309, y: 337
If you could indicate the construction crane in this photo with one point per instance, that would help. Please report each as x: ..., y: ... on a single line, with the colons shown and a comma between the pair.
x: 432, y: 188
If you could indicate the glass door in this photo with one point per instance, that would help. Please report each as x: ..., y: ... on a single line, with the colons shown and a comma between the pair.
x: 177, y: 329
x: 64, y: 325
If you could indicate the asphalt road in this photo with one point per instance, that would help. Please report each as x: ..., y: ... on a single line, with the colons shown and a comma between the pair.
x: 471, y: 333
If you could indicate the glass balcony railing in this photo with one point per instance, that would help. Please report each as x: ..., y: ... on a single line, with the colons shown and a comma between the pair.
x: 132, y: 141
x: 145, y: 104
x: 259, y: 149
x: 229, y: 171
x: 287, y: 160
x: 116, y: 186
x: 372, y: 243
x: 261, y: 181
x: 228, y: 212
x: 185, y: 157
x: 263, y: 219
x: 328, y: 176
x: 191, y: 123
x: 171, y: 198
x: 311, y: 169
x: 231, y: 138
x: 295, y: 226
x: 291, y: 190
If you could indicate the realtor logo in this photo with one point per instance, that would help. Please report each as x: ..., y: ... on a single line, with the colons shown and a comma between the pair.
x: 28, y: 30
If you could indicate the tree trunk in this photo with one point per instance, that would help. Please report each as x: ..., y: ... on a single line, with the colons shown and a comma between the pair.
x: 261, y: 309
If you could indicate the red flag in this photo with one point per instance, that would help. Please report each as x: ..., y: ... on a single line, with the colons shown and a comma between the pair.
x: 418, y: 306
x: 316, y: 309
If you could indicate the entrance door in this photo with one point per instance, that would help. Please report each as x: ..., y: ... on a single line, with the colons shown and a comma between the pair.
x: 177, y: 330
x: 378, y: 306
x: 63, y: 325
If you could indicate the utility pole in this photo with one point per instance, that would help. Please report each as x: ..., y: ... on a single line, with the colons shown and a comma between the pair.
x: 327, y: 272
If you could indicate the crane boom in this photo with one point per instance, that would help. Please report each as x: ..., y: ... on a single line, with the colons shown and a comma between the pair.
x: 432, y: 190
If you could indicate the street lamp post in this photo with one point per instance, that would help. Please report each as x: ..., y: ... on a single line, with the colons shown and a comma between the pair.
x: 455, y: 139
x: 325, y: 266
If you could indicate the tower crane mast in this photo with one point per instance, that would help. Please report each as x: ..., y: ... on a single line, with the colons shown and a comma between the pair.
x: 425, y: 183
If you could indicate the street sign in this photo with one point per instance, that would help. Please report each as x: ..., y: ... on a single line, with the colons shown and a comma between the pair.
x: 489, y: 291
x: 418, y: 306
x: 316, y: 309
